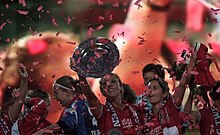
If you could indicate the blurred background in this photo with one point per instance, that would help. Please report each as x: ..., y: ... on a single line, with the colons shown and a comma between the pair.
x: 43, y: 34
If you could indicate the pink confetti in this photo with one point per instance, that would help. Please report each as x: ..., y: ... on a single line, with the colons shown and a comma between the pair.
x: 3, y: 25
x: 22, y: 2
x: 22, y: 12
x: 35, y: 63
x: 116, y: 4
x: 40, y: 8
x: 69, y: 19
x: 101, y: 18
x: 7, y: 40
x: 89, y: 32
x: 59, y: 2
x: 99, y: 27
x: 53, y: 76
x: 97, y: 54
x: 54, y: 22
x: 100, y: 2
x: 110, y: 17
x: 7, y: 6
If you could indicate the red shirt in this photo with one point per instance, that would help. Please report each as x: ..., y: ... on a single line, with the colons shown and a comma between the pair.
x: 127, y: 120
x: 209, y: 124
x: 171, y: 119
x: 7, y: 124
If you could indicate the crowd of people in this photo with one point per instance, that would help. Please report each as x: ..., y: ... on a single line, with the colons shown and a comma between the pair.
x: 158, y: 110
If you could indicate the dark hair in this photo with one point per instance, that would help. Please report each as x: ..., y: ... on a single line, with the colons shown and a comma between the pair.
x: 213, y: 93
x: 111, y: 74
x: 129, y: 94
x: 7, y: 99
x: 156, y: 68
x: 69, y: 82
x: 163, y: 84
x: 40, y: 93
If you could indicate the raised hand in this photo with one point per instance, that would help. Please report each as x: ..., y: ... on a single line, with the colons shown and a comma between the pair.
x: 22, y: 71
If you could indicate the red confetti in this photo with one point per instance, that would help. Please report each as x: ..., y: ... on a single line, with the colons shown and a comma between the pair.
x: 58, y: 33
x: 200, y: 99
x: 72, y: 43
x: 210, y: 34
x: 2, y: 26
x: 53, y: 76
x: 210, y: 46
x: 1, y: 69
x: 176, y: 31
x: 22, y: 12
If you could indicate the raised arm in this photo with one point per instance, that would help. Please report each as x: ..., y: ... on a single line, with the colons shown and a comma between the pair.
x: 94, y: 103
x: 15, y: 109
x: 186, y: 77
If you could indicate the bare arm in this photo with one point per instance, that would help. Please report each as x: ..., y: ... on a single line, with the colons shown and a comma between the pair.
x: 188, y: 108
x: 180, y: 89
x: 15, y: 109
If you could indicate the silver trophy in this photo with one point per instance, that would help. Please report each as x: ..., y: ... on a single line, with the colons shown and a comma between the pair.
x: 96, y: 57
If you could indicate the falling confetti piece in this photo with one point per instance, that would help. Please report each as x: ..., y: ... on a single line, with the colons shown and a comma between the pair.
x: 116, y: 4
x: 35, y: 63
x: 58, y: 33
x: 40, y: 8
x: 89, y: 32
x: 100, y: 2
x: 135, y: 72
x: 176, y: 31
x: 2, y: 25
x: 1, y: 69
x: 54, y: 22
x: 7, y: 6
x: 101, y: 18
x: 59, y: 2
x: 110, y: 17
x: 22, y: 2
x: 22, y: 12
x: 99, y: 27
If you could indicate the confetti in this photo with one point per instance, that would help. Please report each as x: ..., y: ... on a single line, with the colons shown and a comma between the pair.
x: 99, y: 27
x: 40, y: 8
x: 101, y: 18
x: 22, y: 2
x: 2, y: 25
x: 100, y: 2
x: 22, y: 12
x: 54, y: 22
x: 116, y: 4
x: 210, y: 35
x: 210, y: 46
x: 59, y: 2
x: 7, y: 6
x: 72, y: 43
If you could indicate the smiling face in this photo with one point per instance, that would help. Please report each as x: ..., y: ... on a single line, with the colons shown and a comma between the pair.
x: 155, y: 93
x: 111, y: 86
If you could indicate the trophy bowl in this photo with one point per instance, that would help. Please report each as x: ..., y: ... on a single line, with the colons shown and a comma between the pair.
x: 96, y: 57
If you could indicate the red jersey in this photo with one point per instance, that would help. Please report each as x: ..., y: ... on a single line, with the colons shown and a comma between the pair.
x: 128, y: 126
x: 33, y: 121
x: 5, y: 125
x: 210, y: 121
x: 167, y: 120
